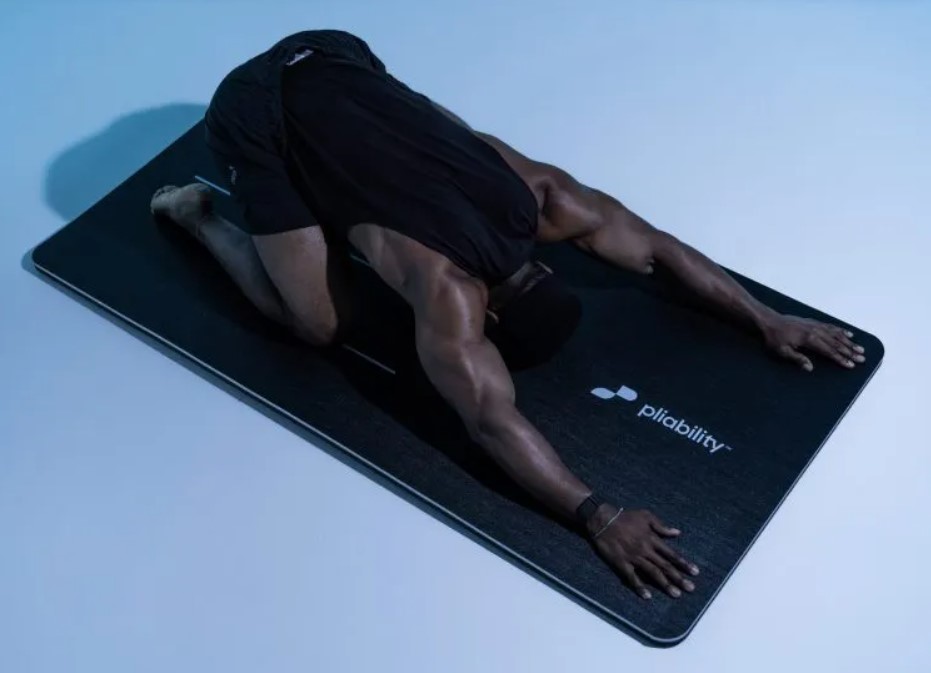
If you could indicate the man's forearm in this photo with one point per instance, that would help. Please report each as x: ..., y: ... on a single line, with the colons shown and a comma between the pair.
x: 469, y: 372
x: 710, y: 282
x: 696, y: 271
x: 529, y: 459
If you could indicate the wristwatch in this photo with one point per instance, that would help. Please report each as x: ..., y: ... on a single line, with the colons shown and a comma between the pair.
x: 585, y: 510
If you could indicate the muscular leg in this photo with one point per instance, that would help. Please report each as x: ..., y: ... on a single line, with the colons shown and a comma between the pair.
x: 293, y: 278
x: 314, y: 280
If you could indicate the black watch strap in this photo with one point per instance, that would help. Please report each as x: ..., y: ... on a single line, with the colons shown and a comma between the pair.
x: 584, y: 511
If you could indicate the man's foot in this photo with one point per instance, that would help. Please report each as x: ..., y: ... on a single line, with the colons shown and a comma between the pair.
x: 186, y: 206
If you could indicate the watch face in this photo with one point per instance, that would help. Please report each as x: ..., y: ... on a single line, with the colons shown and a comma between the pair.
x: 588, y: 507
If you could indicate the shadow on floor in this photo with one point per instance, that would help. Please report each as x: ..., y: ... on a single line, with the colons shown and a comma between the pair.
x: 85, y: 172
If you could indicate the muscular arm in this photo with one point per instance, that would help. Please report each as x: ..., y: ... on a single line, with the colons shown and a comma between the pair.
x: 599, y: 224
x: 469, y: 373
x: 602, y: 226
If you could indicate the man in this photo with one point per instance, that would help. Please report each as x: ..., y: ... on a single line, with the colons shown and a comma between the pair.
x: 324, y: 148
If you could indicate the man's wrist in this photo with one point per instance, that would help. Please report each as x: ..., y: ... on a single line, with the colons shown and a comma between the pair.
x: 597, y: 521
x: 764, y: 317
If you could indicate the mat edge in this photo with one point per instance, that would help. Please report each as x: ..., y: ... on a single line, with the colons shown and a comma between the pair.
x: 527, y: 565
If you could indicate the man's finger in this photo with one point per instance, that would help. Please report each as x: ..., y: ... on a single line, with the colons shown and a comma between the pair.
x: 672, y: 555
x: 629, y: 574
x: 849, y: 349
x: 846, y: 338
x: 659, y: 578
x: 831, y: 339
x: 853, y: 345
x: 829, y: 349
x: 670, y: 572
x: 845, y: 348
x: 790, y: 353
x: 661, y: 528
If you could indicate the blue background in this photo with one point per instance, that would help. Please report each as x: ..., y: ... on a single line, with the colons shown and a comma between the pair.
x: 150, y: 522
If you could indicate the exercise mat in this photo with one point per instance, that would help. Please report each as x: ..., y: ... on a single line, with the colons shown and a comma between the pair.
x: 654, y: 402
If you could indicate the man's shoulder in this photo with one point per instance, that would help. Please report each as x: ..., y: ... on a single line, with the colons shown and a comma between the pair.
x: 424, y: 276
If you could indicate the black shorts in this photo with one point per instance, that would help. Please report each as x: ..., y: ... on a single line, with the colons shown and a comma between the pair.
x: 350, y: 144
x: 244, y: 130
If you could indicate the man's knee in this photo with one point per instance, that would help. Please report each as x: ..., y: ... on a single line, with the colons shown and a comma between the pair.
x: 317, y: 330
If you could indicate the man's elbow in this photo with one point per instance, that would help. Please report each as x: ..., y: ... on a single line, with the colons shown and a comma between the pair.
x: 664, y: 247
x: 633, y: 251
x: 491, y: 423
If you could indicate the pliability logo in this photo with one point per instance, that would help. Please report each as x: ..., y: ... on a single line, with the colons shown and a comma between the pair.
x: 658, y: 414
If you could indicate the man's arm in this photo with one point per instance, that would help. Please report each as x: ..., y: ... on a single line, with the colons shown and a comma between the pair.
x: 602, y: 226
x: 467, y: 370
x: 629, y: 240
x: 469, y: 373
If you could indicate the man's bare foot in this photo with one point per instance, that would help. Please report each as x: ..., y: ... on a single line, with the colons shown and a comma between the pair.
x: 186, y: 206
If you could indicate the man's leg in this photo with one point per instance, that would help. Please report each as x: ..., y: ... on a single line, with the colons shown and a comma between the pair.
x: 293, y: 277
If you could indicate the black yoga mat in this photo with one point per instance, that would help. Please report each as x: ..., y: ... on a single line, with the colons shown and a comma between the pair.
x: 654, y: 402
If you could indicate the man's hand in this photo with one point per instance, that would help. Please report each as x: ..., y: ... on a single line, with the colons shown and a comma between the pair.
x: 786, y: 334
x: 633, y: 546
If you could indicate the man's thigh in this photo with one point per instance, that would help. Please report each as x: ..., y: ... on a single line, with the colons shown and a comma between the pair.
x: 312, y: 278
